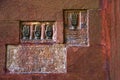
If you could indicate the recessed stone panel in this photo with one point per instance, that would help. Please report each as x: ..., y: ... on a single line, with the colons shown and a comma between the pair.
x: 38, y: 32
x: 76, y: 27
x: 36, y: 58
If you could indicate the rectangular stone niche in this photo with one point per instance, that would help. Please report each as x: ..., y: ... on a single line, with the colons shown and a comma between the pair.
x: 37, y: 32
x: 36, y: 58
x: 76, y: 27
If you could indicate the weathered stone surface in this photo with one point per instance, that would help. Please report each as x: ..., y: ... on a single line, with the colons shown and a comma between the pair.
x: 39, y: 9
x: 83, y: 63
x: 95, y: 27
x: 9, y: 32
x: 36, y: 58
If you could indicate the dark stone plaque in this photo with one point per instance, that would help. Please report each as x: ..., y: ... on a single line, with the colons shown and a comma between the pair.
x: 49, y: 31
x: 25, y: 32
x: 37, y: 32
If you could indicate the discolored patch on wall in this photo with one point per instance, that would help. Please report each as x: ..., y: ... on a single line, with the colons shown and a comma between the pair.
x: 36, y: 58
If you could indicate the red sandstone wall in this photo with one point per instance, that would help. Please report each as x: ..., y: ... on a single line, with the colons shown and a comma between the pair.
x: 112, y: 14
x: 83, y: 63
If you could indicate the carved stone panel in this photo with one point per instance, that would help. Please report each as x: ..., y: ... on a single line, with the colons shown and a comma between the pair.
x: 36, y: 58
x: 38, y: 32
x: 76, y: 27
